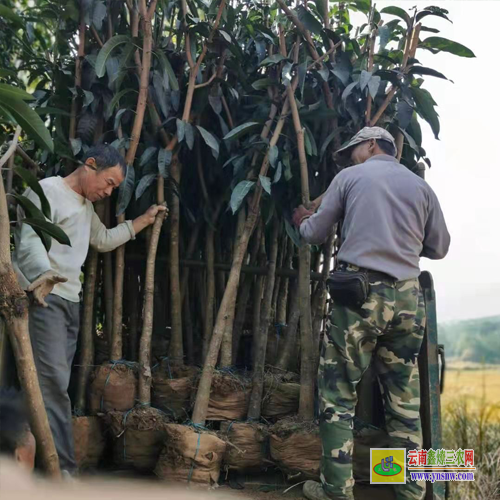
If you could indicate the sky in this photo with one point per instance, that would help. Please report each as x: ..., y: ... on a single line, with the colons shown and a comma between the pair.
x: 465, y: 171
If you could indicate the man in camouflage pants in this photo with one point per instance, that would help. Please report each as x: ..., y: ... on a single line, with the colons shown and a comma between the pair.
x: 391, y: 218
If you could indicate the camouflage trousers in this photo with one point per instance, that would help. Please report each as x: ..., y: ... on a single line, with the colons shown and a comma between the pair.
x: 389, y: 328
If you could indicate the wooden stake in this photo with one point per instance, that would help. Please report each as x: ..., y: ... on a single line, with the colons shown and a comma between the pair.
x: 14, y: 310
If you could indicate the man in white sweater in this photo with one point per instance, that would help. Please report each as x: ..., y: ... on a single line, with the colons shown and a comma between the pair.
x: 53, y: 277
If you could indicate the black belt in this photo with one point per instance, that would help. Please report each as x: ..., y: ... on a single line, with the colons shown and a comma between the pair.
x: 373, y: 275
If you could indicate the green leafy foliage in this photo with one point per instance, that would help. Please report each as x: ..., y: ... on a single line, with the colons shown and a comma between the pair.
x: 237, y: 102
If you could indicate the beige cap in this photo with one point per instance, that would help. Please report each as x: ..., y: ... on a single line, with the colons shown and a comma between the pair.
x: 365, y: 134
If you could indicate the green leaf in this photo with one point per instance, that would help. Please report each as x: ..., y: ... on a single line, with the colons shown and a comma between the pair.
x: 308, y: 20
x: 30, y: 209
x: 164, y: 160
x: 210, y: 140
x: 364, y: 79
x: 125, y: 191
x: 348, y: 90
x: 240, y: 130
x: 440, y: 44
x: 342, y: 70
x: 30, y: 122
x: 421, y: 70
x: 273, y: 155
x: 181, y: 129
x: 425, y: 108
x: 167, y: 68
x: 277, y: 175
x: 88, y: 97
x: 373, y: 85
x: 411, y: 141
x: 7, y: 13
x: 433, y: 11
x: 274, y: 59
x: 48, y: 228
x: 404, y: 113
x: 116, y: 100
x: 310, y: 141
x: 189, y: 135
x: 292, y: 233
x: 48, y: 110
x: 397, y: 11
x: 263, y: 83
x: 4, y: 73
x: 11, y: 92
x: 329, y: 139
x: 33, y: 183
x: 98, y: 14
x: 104, y: 53
x: 147, y: 155
x: 144, y: 183
x: 265, y: 182
x: 76, y: 145
x: 239, y: 193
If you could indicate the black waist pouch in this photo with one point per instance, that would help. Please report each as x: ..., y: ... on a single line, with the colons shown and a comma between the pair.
x: 349, y: 288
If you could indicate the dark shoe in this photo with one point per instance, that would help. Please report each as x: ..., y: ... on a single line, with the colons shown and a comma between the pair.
x: 314, y: 491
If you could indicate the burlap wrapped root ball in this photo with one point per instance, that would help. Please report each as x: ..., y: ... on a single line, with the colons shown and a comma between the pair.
x: 138, y: 437
x: 172, y: 389
x: 190, y: 456
x: 88, y: 436
x: 281, y: 397
x: 229, y: 397
x: 248, y: 448
x: 296, y: 448
x: 113, y: 387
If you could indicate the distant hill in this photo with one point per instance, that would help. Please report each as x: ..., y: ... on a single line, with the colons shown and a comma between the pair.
x: 476, y: 340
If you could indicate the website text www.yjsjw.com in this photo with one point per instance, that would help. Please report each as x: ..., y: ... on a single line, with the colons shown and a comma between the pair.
x: 442, y: 476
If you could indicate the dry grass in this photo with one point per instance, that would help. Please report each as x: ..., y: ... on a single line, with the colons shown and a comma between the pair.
x: 471, y: 419
x: 478, y: 384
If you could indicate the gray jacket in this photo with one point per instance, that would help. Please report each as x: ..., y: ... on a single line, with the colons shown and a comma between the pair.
x: 391, y: 218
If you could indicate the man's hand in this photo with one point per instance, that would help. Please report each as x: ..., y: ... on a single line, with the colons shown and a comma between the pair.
x: 299, y: 214
x: 43, y: 285
x: 148, y: 217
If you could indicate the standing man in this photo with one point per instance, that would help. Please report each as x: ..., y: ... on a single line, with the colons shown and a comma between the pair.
x: 390, y: 218
x: 54, y: 277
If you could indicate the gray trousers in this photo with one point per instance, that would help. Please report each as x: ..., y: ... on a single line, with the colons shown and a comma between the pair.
x: 54, y: 334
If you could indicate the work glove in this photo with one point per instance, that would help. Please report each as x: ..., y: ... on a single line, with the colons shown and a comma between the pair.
x: 300, y: 214
x: 43, y: 285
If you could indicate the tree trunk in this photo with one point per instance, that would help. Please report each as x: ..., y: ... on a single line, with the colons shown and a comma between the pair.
x: 188, y: 330
x: 86, y: 332
x: 210, y: 290
x: 254, y: 409
x: 176, y: 349
x: 147, y: 323
x: 257, y: 294
x: 307, y: 364
x: 225, y: 316
x: 14, y: 310
x: 244, y: 295
x: 133, y: 301
x: 145, y: 65
x: 193, y: 240
x: 287, y: 352
x: 108, y: 281
x: 281, y: 307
